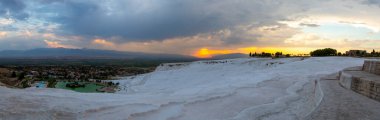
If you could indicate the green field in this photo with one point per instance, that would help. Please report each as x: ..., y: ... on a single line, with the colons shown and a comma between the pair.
x: 90, y: 87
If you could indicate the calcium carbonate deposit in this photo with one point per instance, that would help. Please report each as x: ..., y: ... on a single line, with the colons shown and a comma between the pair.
x: 233, y: 89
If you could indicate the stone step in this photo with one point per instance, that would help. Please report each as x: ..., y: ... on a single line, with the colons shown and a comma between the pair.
x: 372, y: 66
x: 365, y: 83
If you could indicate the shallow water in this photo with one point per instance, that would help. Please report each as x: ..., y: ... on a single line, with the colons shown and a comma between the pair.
x: 90, y: 87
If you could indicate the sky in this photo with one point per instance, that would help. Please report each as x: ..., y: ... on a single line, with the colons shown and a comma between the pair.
x: 200, y: 28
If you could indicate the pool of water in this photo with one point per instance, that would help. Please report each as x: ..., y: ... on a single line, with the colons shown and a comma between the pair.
x: 41, y: 84
x: 90, y: 87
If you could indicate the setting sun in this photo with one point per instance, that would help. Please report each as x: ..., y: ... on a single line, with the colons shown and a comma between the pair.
x: 207, y: 53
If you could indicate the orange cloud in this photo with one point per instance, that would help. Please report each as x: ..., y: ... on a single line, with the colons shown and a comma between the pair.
x: 55, y: 44
x: 206, y: 53
x: 103, y: 42
x: 49, y: 35
x: 2, y: 34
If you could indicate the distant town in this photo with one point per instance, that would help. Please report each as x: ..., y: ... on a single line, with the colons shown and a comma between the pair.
x: 72, y: 76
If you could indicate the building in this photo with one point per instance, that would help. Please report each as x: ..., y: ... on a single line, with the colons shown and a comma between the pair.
x: 356, y: 53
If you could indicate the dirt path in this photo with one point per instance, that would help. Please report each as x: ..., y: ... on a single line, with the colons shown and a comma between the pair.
x: 342, y: 104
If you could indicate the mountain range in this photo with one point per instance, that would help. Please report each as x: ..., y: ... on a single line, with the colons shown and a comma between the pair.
x: 66, y: 53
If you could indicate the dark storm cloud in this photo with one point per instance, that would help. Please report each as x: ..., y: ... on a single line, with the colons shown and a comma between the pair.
x: 371, y: 2
x: 309, y: 25
x: 13, y: 9
x: 8, y: 28
x: 137, y: 20
x: 191, y: 23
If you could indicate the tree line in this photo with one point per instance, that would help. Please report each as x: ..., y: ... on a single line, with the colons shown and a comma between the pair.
x: 321, y: 52
x: 264, y: 54
x: 333, y: 52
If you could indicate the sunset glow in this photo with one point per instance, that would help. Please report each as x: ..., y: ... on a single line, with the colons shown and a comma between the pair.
x: 103, y: 42
x: 206, y: 53
x: 284, y: 50
x: 55, y: 44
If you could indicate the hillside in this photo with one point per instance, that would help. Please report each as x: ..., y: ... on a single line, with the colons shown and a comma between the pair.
x: 240, y: 89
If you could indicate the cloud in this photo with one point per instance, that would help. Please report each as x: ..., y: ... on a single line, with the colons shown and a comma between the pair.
x: 16, y: 40
x: 6, y: 21
x: 183, y: 26
x: 309, y: 25
x: 215, y: 43
x: 371, y: 2
x: 103, y: 43
x: 13, y: 9
x: 143, y: 20
x: 362, y: 25
x: 3, y: 34
x: 56, y: 44
x: 154, y: 20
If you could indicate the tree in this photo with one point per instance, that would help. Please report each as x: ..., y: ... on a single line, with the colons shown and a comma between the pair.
x: 21, y: 76
x: 373, y: 52
x: 263, y: 54
x: 324, y: 52
x: 13, y: 75
x: 25, y: 84
x: 110, y: 83
x: 339, y: 54
x: 51, y: 82
x: 278, y: 54
x: 358, y: 53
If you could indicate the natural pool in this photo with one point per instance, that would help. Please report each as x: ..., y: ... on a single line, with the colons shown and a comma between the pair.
x: 89, y: 88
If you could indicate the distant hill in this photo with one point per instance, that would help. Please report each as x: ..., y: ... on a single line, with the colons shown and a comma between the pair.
x: 231, y: 56
x: 65, y: 53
